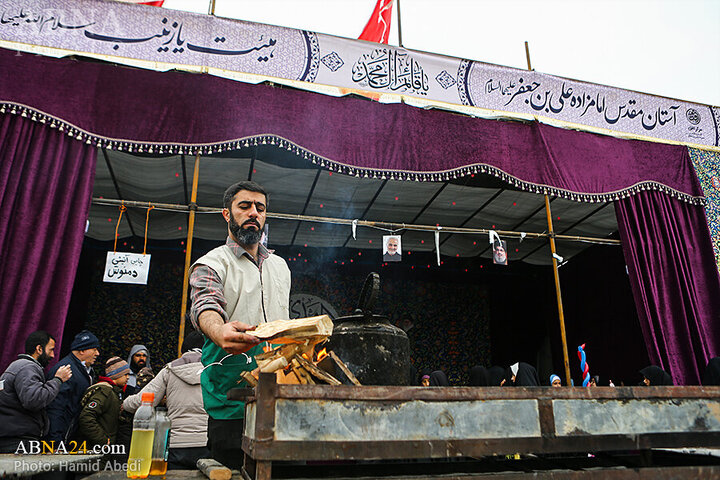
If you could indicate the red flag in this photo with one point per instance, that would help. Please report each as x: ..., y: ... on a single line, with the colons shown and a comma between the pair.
x: 378, y: 27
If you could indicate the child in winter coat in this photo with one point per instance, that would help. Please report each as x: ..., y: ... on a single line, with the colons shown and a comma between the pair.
x: 100, y: 413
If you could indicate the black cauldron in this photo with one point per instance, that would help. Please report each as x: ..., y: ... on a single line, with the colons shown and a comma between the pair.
x: 374, y: 350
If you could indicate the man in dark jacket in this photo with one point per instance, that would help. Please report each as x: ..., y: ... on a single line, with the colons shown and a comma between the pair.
x: 64, y: 410
x: 24, y: 392
x: 100, y: 414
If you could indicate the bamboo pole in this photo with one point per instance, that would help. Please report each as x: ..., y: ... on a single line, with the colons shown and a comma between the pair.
x: 362, y: 223
x: 188, y: 251
x: 561, y: 314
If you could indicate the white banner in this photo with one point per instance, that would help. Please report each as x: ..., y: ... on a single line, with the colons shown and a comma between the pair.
x: 124, y: 267
x: 163, y: 39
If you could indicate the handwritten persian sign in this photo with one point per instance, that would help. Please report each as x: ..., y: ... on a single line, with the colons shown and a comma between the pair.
x: 164, y: 39
x: 123, y: 267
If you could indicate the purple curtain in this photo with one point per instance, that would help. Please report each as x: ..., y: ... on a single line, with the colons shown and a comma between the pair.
x: 120, y: 106
x: 674, y: 279
x: 45, y: 190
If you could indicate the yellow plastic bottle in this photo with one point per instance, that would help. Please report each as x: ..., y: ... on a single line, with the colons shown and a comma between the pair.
x: 141, y: 443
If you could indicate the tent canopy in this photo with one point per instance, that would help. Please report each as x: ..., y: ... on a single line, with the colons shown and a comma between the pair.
x: 426, y: 158
x: 297, y: 187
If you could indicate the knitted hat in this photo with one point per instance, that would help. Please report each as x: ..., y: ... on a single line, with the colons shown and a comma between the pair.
x: 84, y: 340
x: 553, y: 377
x: 116, y: 367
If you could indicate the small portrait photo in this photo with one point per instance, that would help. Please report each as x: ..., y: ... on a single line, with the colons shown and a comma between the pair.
x: 392, y: 248
x: 500, y: 253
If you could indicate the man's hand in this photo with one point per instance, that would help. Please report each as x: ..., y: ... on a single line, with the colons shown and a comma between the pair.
x: 230, y: 336
x: 234, y: 339
x: 64, y: 373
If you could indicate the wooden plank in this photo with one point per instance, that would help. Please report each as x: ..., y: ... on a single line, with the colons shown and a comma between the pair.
x: 213, y: 469
x: 344, y: 368
x: 248, y: 377
x: 287, y: 331
x: 313, y: 370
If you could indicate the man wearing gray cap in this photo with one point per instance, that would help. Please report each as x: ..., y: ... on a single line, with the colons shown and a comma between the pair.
x: 64, y: 410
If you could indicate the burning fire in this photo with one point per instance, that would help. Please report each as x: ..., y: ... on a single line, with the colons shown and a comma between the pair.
x: 321, y: 354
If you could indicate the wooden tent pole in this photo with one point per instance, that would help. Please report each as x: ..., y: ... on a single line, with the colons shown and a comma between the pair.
x: 551, y: 235
x: 557, y: 291
x: 188, y: 251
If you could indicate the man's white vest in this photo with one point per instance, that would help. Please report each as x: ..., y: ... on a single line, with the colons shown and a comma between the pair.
x: 251, y: 298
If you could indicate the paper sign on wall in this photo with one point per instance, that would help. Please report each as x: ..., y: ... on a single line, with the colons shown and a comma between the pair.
x: 124, y: 267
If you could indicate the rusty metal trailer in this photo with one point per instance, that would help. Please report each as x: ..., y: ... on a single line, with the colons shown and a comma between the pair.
x: 370, y: 425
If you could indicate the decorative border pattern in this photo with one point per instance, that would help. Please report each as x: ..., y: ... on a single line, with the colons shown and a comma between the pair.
x: 132, y: 146
x: 463, y: 83
x: 715, y: 115
x: 707, y: 168
x: 312, y: 55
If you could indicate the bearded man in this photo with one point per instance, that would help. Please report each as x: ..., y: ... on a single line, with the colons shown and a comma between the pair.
x: 234, y: 288
x: 138, y: 359
x: 25, y: 394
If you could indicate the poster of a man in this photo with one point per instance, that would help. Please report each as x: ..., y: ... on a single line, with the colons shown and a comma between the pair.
x: 393, y: 249
x: 500, y: 252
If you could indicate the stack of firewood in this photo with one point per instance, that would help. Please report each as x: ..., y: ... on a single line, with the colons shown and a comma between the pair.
x: 295, y: 359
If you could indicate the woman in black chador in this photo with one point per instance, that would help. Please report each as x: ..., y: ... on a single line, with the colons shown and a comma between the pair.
x: 712, y: 372
x: 655, y: 376
x: 521, y: 374
x: 479, y: 376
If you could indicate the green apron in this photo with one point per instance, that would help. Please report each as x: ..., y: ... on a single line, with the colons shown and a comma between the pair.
x: 216, y: 380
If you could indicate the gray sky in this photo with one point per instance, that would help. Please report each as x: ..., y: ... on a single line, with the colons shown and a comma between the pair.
x: 663, y: 47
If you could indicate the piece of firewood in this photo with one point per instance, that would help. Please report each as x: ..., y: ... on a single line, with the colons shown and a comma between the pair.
x: 344, y: 368
x: 213, y: 469
x: 288, y: 331
x: 302, y: 373
x: 277, y: 364
x: 318, y: 373
x: 249, y: 378
x: 287, y: 350
x: 288, y: 377
x: 268, y: 355
x: 299, y: 376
